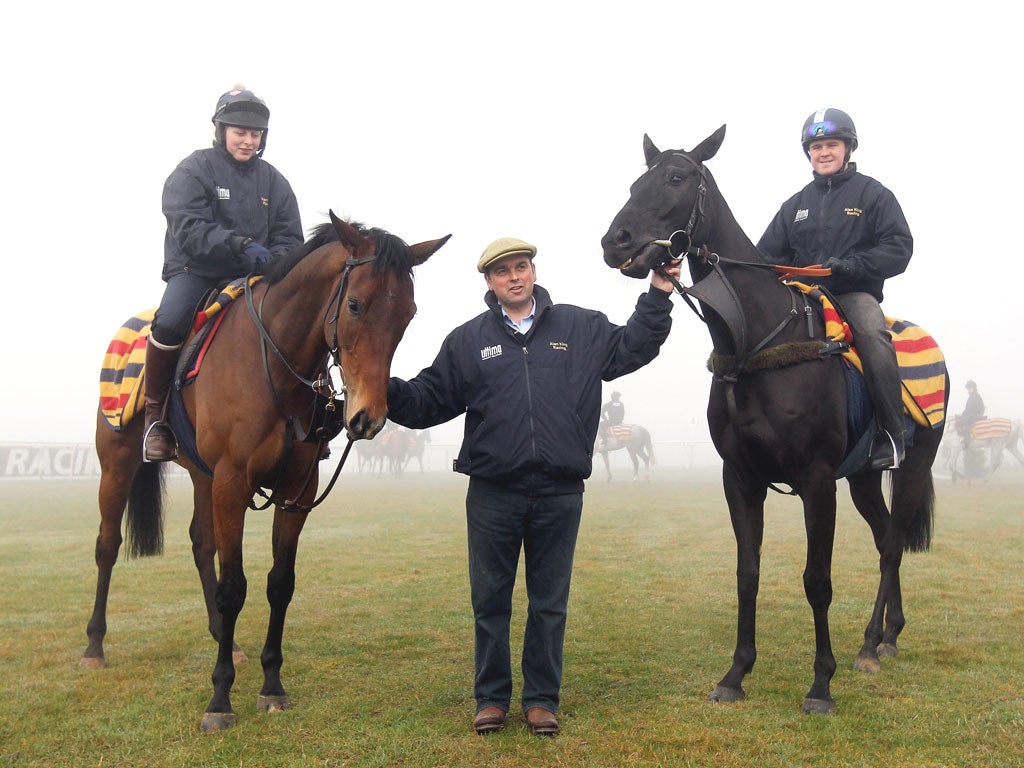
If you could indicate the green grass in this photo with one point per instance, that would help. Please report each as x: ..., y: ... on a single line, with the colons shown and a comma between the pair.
x: 378, y: 645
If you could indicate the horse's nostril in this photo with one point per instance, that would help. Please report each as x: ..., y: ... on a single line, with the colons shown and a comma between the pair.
x: 623, y: 238
x: 359, y: 424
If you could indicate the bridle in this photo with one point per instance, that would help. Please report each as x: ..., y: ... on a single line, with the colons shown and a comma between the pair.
x: 716, y: 291
x: 326, y: 421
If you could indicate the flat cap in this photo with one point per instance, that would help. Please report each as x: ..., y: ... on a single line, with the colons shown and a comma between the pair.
x: 502, y: 248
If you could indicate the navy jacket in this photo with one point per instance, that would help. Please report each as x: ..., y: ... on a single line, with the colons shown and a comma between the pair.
x: 210, y: 198
x: 847, y: 215
x: 532, y: 402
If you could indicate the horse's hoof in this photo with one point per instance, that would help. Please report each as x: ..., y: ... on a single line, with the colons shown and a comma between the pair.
x: 818, y: 707
x: 867, y: 664
x: 727, y: 695
x: 272, y: 703
x: 92, y: 662
x: 888, y: 649
x: 217, y: 721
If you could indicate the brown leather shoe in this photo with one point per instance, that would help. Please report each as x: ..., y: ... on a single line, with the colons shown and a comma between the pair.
x: 541, y: 722
x: 490, y: 720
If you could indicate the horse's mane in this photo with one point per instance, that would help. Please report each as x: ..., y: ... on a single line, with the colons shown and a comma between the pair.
x: 392, y: 252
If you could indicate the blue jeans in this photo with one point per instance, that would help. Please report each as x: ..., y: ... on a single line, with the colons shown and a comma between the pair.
x: 500, y: 523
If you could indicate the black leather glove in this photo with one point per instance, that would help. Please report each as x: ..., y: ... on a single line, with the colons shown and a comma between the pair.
x: 840, y: 267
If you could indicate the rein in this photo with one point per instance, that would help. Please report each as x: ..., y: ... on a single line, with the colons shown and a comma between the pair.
x: 322, y: 387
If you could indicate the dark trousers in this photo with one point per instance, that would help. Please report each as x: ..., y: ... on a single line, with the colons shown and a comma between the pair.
x: 881, y: 371
x: 500, y: 524
x: 176, y: 313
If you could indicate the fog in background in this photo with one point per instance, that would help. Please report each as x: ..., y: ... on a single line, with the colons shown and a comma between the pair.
x: 486, y: 120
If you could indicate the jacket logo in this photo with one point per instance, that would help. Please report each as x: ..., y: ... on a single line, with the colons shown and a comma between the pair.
x: 223, y: 193
x: 488, y: 352
x: 800, y: 215
x: 853, y: 211
x: 559, y: 346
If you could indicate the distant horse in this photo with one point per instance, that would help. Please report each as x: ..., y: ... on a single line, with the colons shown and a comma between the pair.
x: 417, y: 444
x: 340, y: 302
x: 637, y: 442
x: 368, y: 455
x: 983, y: 455
x: 393, y: 449
x: 773, y: 423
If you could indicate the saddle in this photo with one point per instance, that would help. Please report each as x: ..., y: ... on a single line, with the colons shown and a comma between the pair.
x: 921, y: 362
x: 122, y: 390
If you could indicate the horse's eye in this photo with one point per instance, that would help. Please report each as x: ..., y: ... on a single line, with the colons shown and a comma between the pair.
x: 675, y: 179
x: 355, y: 307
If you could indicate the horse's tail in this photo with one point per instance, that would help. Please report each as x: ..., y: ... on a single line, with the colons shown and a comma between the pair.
x: 922, y: 521
x: 650, y: 450
x: 144, y: 529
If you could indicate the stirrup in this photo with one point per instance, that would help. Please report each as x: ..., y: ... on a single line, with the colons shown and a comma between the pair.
x: 891, y: 456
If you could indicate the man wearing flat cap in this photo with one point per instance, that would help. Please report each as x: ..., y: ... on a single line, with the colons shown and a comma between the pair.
x: 527, y: 375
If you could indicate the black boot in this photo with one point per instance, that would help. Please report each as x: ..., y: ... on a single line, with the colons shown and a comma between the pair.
x: 887, y: 450
x: 158, y: 442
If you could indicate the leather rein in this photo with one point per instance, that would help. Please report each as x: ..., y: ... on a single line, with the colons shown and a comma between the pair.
x: 326, y: 398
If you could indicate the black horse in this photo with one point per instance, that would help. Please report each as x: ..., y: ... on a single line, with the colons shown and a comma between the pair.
x: 785, y: 424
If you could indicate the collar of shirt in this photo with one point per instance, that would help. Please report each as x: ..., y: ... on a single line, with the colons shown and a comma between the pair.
x: 524, y: 325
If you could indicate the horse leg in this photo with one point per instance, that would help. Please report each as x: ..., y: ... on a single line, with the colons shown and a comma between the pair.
x: 280, y: 588
x: 636, y: 462
x: 746, y: 510
x: 117, y: 467
x: 866, y: 492
x: 124, y: 482
x: 229, y: 506
x: 607, y: 465
x: 819, y: 502
x: 995, y: 459
x: 204, y: 551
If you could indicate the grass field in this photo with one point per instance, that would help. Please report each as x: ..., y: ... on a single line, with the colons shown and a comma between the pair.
x: 378, y: 646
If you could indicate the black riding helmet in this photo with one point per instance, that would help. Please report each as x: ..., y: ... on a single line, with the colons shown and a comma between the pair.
x: 829, y: 123
x: 242, y: 108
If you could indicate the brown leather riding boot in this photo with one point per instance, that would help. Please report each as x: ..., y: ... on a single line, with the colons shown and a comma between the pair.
x: 158, y: 442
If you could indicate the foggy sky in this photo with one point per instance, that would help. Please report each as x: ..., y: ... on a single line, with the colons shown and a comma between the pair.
x: 488, y: 121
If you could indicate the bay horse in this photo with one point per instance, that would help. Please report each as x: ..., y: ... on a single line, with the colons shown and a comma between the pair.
x: 771, y: 425
x: 637, y: 442
x: 335, y: 308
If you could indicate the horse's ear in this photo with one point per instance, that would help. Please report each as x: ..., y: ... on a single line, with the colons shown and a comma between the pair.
x: 423, y: 251
x: 709, y: 147
x: 651, y: 152
x: 347, y: 234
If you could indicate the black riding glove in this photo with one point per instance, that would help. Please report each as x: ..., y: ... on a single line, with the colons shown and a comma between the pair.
x: 841, y: 267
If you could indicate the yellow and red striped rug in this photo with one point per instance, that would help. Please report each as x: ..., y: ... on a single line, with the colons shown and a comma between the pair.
x: 922, y: 364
